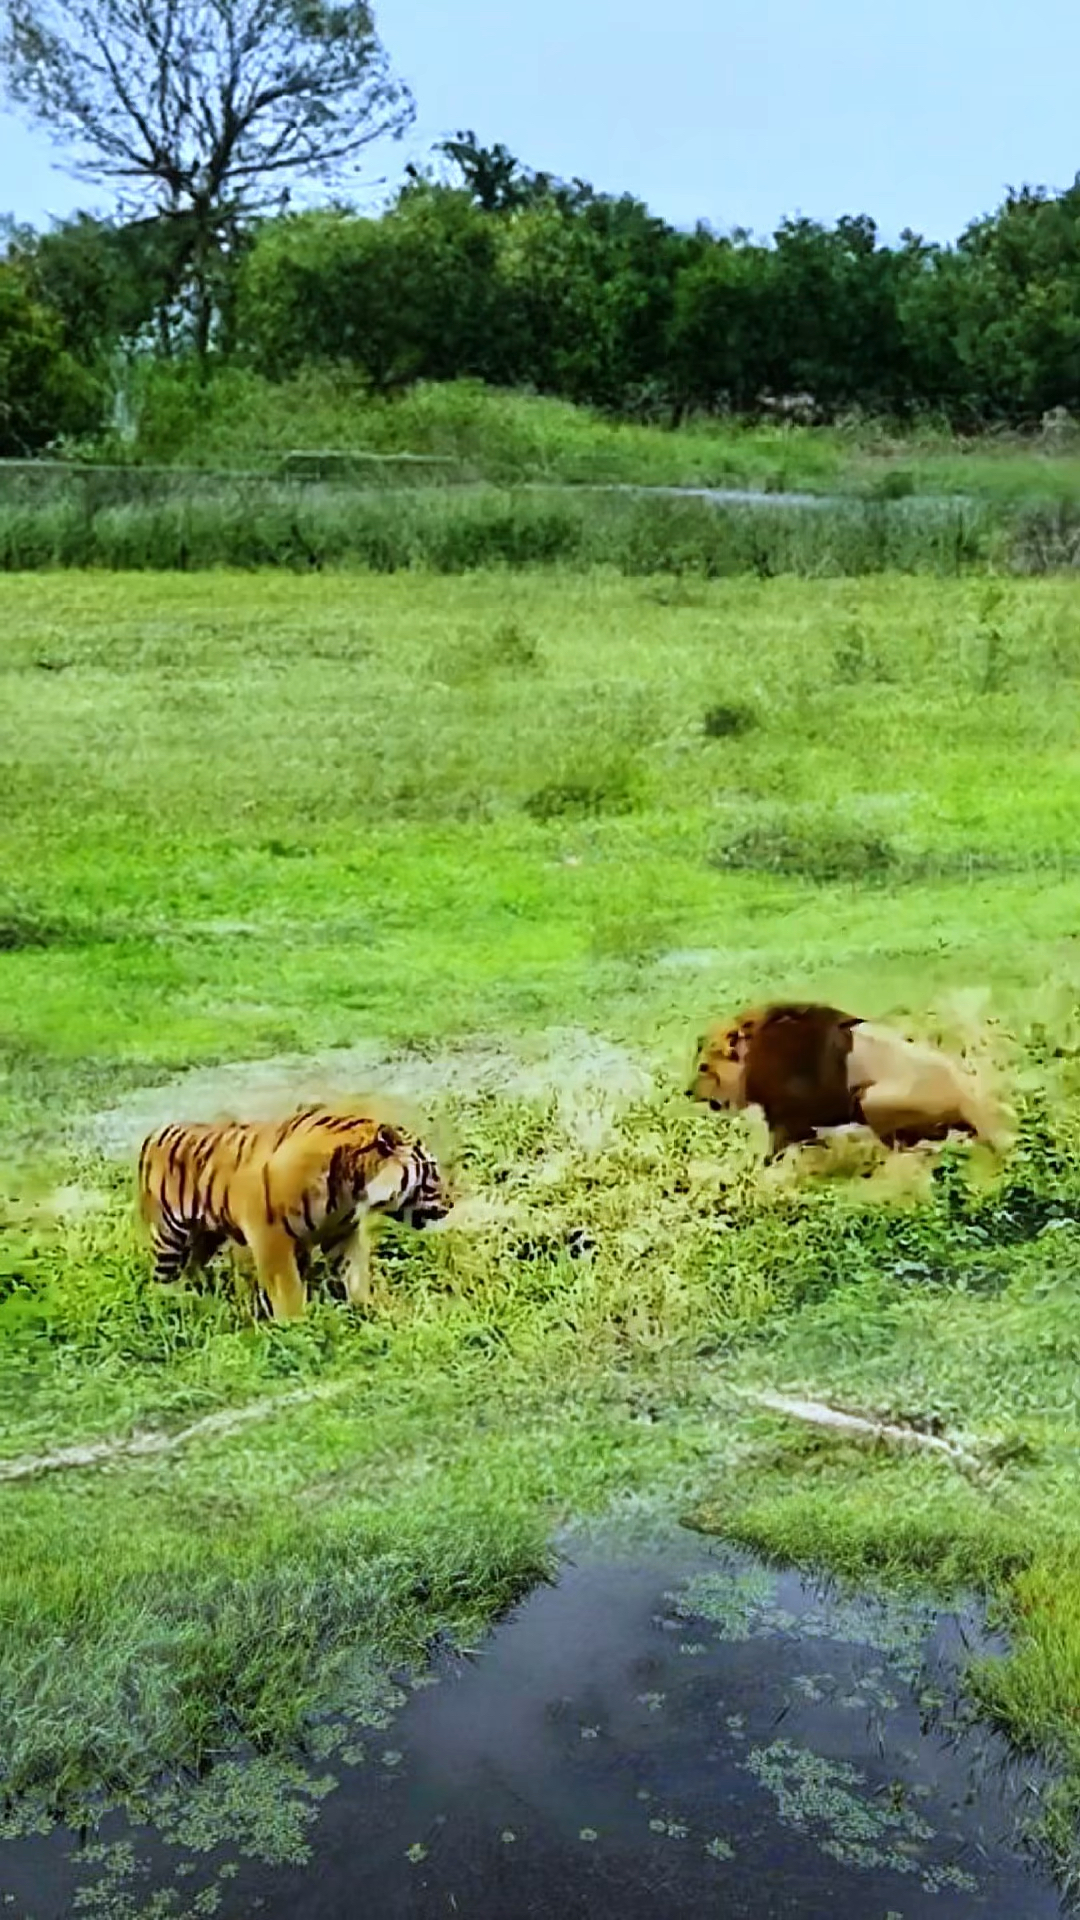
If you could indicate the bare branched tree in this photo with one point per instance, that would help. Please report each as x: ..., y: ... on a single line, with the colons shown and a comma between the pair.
x: 203, y: 110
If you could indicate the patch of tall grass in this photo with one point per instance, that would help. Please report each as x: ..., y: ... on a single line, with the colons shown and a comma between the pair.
x: 460, y: 530
x: 820, y: 846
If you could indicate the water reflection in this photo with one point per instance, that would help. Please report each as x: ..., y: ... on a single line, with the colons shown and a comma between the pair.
x: 676, y: 1734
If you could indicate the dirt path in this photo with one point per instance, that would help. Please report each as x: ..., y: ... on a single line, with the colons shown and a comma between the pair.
x: 230, y: 1420
x: 142, y: 1446
x: 587, y: 1075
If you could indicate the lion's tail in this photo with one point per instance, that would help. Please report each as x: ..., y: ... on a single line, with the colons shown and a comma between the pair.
x: 986, y: 1117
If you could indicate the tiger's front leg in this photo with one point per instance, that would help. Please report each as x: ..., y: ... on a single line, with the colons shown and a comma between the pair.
x: 274, y: 1252
x: 178, y: 1244
x: 356, y: 1265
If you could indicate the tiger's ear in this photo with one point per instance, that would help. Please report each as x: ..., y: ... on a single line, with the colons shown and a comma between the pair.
x: 387, y: 1141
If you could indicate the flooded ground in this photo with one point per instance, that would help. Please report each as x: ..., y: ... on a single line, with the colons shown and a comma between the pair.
x: 672, y: 1734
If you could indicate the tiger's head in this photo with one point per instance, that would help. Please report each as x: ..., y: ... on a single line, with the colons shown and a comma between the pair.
x: 407, y: 1183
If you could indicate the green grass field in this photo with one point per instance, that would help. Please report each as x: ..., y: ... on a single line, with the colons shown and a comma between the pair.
x: 515, y: 835
x: 243, y: 421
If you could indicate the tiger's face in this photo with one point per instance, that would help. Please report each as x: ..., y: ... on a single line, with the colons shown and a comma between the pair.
x: 409, y: 1185
x: 720, y: 1077
x: 425, y: 1198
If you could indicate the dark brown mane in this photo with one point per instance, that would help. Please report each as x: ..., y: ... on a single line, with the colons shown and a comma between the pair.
x: 796, y: 1069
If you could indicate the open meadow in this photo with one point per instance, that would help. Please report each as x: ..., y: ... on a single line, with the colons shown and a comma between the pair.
x: 501, y: 843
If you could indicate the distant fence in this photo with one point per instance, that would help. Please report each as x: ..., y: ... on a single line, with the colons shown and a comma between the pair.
x: 331, y: 465
x: 30, y: 482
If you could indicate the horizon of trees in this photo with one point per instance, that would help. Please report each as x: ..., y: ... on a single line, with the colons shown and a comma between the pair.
x: 481, y: 267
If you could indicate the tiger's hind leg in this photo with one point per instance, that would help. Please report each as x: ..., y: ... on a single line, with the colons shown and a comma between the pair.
x: 172, y: 1244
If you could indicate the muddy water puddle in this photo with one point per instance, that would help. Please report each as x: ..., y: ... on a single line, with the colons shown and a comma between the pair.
x: 671, y: 1734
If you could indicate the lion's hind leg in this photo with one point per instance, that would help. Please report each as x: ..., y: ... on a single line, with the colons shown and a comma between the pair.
x: 900, y: 1121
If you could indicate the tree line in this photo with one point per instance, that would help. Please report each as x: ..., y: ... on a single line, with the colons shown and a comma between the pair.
x: 201, y: 113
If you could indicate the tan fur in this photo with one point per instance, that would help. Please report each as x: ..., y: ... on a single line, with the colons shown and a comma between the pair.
x: 280, y: 1188
x: 811, y: 1067
x: 908, y: 1091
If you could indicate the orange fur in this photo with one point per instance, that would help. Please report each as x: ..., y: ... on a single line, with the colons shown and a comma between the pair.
x: 280, y: 1188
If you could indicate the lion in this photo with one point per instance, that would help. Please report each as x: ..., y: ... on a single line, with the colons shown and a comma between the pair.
x: 811, y: 1068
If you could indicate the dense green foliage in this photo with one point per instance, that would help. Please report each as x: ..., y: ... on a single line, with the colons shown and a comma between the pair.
x: 105, y: 280
x: 590, y: 297
x: 45, y: 392
x: 522, y: 281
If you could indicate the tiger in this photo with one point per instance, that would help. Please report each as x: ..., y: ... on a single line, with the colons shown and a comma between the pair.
x: 281, y: 1188
x: 809, y: 1067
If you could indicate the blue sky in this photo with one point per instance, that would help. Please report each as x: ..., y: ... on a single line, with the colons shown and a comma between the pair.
x: 918, y: 113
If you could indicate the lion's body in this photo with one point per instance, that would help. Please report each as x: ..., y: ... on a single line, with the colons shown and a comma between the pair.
x: 908, y: 1091
x: 811, y: 1068
x: 280, y: 1188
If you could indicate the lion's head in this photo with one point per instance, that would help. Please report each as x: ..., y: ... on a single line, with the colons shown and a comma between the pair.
x: 720, y: 1071
x: 789, y: 1059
